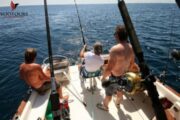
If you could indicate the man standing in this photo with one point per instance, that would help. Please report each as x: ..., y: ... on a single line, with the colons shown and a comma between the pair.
x: 121, y: 60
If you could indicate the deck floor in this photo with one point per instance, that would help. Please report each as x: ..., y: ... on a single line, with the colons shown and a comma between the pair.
x: 139, y: 108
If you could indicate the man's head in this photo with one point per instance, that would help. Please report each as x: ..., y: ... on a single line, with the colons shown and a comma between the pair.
x: 30, y: 55
x: 120, y: 33
x: 98, y: 48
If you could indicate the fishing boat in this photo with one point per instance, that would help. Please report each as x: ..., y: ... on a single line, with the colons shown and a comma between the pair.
x: 153, y: 100
x: 82, y: 103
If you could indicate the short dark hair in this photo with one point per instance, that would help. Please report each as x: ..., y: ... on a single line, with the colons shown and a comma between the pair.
x: 97, y: 48
x: 30, y: 55
x: 121, y: 32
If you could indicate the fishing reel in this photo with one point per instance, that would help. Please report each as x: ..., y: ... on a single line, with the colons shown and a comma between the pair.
x: 130, y: 83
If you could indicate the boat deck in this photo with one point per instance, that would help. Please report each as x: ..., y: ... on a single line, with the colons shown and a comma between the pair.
x: 136, y: 107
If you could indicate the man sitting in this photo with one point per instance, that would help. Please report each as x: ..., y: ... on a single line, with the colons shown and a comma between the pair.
x: 92, y: 61
x: 33, y: 74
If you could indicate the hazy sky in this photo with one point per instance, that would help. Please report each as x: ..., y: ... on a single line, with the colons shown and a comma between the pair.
x: 40, y: 2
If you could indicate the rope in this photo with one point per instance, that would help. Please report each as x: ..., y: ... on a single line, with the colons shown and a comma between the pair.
x: 80, y: 25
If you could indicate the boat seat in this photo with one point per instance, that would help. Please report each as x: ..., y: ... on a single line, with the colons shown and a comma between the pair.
x: 91, y: 77
x: 62, y: 76
x: 61, y: 68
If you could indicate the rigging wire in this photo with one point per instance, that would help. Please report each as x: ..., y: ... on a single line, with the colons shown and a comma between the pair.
x: 80, y: 25
x: 164, y: 73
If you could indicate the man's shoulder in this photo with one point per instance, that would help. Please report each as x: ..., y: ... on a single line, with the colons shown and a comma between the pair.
x: 101, y: 58
x: 36, y: 65
x: 113, y: 48
x: 21, y: 65
x: 88, y: 53
x: 32, y: 65
x: 116, y: 48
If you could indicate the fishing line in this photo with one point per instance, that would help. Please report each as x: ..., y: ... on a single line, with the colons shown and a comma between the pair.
x: 163, y: 75
x: 80, y: 25
x: 77, y: 97
x: 76, y: 90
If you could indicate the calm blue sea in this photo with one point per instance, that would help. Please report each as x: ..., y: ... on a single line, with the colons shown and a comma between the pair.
x: 157, y: 27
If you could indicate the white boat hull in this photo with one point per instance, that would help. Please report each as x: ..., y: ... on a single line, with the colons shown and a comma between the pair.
x: 133, y: 107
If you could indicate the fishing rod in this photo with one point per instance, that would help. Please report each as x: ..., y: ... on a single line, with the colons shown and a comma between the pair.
x: 149, y: 79
x: 82, y: 34
x: 78, y: 97
x: 54, y: 97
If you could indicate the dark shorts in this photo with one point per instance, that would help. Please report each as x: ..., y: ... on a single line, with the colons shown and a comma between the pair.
x: 85, y: 74
x: 46, y: 86
x: 114, y: 87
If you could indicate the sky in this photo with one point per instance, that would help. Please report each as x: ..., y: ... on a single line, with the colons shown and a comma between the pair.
x: 40, y: 2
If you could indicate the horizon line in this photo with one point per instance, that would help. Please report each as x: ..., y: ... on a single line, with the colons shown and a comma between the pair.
x: 95, y: 3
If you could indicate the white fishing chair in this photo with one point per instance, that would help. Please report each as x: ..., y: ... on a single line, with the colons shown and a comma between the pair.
x: 91, y: 77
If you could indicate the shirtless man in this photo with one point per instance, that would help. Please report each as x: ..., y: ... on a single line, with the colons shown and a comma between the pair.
x: 33, y: 74
x: 121, y: 60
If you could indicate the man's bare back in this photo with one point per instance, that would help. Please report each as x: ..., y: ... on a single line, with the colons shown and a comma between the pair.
x: 122, y: 59
x: 33, y: 75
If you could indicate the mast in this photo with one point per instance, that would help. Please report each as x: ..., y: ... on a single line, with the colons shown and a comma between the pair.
x: 149, y: 79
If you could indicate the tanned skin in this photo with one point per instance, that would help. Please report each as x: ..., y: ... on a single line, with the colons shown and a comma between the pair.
x: 121, y: 60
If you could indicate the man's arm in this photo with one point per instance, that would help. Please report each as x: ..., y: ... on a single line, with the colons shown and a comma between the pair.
x: 82, y: 51
x: 42, y: 75
x: 21, y: 75
x: 133, y: 66
x: 110, y: 65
